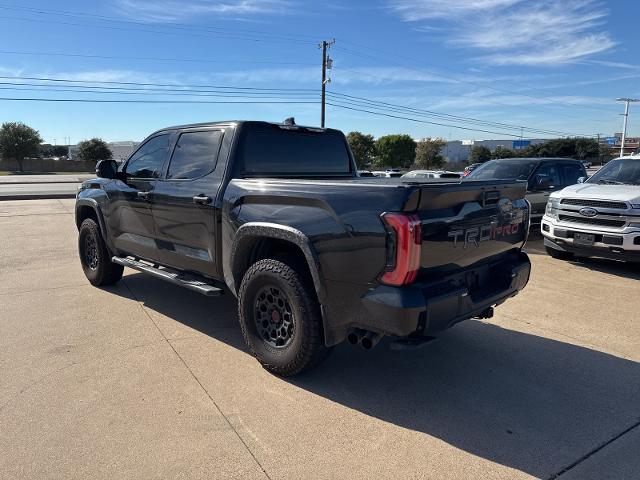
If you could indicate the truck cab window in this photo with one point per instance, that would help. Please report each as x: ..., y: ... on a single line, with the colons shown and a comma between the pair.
x: 548, y: 170
x: 147, y: 161
x: 195, y: 155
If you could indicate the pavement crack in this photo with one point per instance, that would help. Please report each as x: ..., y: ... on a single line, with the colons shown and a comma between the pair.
x: 594, y: 451
x: 191, y: 372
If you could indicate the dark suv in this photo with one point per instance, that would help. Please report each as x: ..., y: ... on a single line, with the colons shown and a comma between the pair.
x: 543, y: 176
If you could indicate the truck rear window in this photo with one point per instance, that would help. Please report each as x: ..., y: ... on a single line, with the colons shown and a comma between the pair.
x: 271, y: 149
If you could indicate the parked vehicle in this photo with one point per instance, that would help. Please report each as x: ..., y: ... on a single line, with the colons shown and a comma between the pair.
x: 387, y: 173
x: 364, y: 173
x: 275, y: 214
x: 470, y: 168
x: 600, y: 217
x: 586, y: 164
x: 430, y: 174
x: 543, y: 176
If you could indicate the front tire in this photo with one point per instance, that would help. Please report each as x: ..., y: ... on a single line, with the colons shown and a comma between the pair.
x: 559, y: 254
x: 94, y: 256
x: 280, y: 318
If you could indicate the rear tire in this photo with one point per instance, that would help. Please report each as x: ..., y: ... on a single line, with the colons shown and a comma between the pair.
x: 280, y: 318
x: 94, y: 256
x: 559, y: 254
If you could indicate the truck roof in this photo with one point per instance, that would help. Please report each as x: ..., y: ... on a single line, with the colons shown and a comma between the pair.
x: 235, y: 122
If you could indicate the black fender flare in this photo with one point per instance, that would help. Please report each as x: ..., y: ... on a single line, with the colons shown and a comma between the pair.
x: 93, y: 204
x: 253, y: 230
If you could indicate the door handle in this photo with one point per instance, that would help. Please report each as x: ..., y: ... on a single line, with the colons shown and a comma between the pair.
x: 143, y: 195
x: 202, y: 200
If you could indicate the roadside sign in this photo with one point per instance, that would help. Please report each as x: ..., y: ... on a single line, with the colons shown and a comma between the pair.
x: 520, y: 144
x: 610, y: 140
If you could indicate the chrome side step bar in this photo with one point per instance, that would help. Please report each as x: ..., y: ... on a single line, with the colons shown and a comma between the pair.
x: 171, y: 276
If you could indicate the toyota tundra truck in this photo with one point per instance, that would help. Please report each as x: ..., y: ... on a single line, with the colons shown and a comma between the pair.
x: 597, y: 217
x: 276, y: 215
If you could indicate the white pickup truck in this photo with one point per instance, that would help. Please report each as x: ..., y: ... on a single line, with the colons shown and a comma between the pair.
x: 599, y: 217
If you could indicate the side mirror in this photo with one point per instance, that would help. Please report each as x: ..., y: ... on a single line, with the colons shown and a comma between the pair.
x: 107, y: 169
x: 582, y: 179
x: 544, y: 183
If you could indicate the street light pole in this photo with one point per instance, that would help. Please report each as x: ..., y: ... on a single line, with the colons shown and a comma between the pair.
x: 626, y: 101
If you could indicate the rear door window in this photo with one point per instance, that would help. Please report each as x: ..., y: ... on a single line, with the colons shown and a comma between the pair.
x: 194, y: 155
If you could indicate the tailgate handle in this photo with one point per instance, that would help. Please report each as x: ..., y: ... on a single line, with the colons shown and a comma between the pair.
x: 490, y: 198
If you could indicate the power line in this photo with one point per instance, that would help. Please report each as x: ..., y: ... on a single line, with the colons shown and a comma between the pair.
x: 170, y: 94
x: 182, y: 26
x: 418, y: 111
x: 147, y: 30
x: 153, y: 59
x: 480, y: 99
x: 179, y: 29
x: 456, y: 79
x: 151, y: 90
x: 84, y: 100
x: 420, y: 121
x: 150, y: 84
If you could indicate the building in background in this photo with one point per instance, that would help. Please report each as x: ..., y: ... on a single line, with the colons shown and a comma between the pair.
x: 122, y: 150
x: 458, y: 150
x: 631, y: 144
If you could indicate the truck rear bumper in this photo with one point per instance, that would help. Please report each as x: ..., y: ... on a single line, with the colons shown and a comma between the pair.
x: 427, y: 308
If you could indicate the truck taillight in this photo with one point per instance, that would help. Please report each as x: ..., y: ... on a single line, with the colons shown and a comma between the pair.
x: 405, y: 246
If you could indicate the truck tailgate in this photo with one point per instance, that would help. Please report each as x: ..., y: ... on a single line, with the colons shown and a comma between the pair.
x: 471, y: 221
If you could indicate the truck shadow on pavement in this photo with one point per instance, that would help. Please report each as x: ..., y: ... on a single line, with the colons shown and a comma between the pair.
x: 528, y: 402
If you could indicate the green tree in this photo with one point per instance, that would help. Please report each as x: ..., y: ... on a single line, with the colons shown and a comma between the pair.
x: 503, y: 152
x: 19, y: 141
x: 479, y: 154
x: 363, y: 148
x: 558, y: 147
x: 60, y: 150
x: 395, y: 151
x: 586, y: 148
x: 95, y: 149
x: 531, y: 151
x: 428, y: 153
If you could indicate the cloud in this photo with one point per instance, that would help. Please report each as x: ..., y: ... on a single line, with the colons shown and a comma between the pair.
x: 520, y: 32
x: 416, y: 10
x: 165, y: 11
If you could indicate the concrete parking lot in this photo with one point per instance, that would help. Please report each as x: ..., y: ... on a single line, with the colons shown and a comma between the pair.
x: 147, y: 380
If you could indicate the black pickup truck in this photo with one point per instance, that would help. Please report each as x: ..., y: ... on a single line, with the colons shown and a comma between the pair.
x: 275, y: 214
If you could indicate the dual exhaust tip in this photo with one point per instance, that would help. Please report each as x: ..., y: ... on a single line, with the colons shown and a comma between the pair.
x: 364, y: 338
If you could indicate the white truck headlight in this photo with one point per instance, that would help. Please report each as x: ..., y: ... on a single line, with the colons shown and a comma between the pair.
x: 552, y: 209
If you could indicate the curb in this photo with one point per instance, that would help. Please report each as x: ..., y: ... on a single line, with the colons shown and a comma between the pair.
x: 35, y: 196
x: 36, y: 182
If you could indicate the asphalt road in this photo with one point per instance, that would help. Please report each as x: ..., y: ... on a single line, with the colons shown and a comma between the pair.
x: 147, y: 380
x: 26, y: 191
x: 28, y: 187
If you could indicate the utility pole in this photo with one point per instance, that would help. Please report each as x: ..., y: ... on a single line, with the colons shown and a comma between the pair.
x: 327, y: 64
x: 626, y: 101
